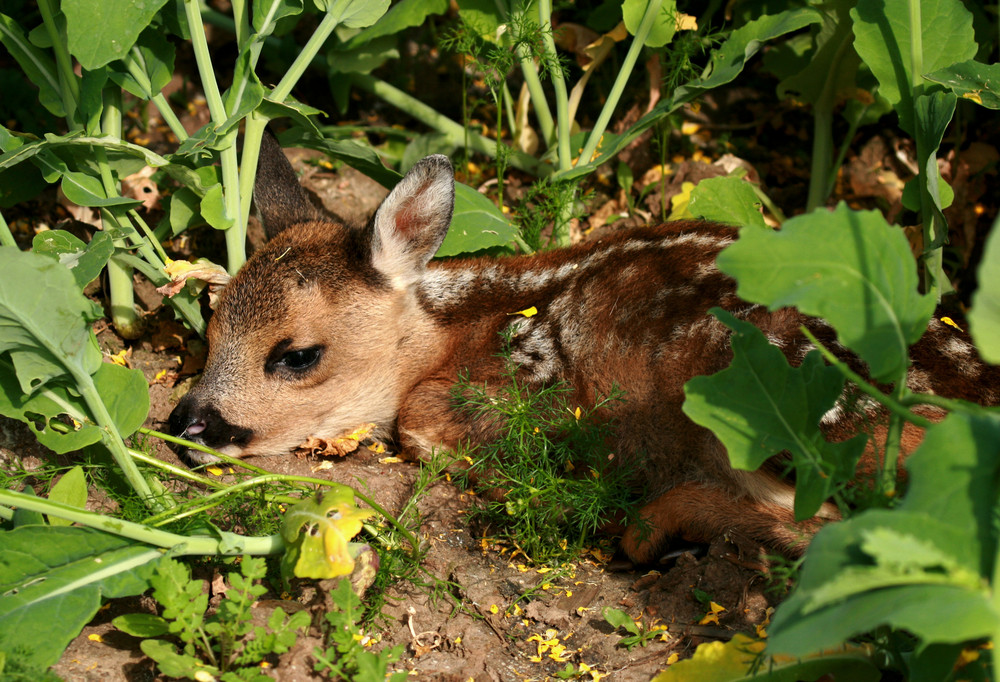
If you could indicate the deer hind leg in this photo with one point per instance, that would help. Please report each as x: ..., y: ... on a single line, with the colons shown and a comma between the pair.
x: 700, y: 512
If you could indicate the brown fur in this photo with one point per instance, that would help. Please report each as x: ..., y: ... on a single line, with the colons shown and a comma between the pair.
x: 394, y: 331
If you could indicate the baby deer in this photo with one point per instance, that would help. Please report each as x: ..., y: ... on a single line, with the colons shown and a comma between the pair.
x: 330, y: 326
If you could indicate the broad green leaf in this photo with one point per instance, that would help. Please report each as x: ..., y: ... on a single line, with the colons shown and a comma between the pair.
x: 267, y: 13
x: 172, y: 663
x: 984, y: 318
x: 425, y: 145
x: 86, y: 190
x: 85, y: 261
x: 619, y: 619
x: 185, y: 211
x: 143, y: 625
x: 303, y: 114
x: 476, y: 224
x: 149, y: 65
x: 739, y: 660
x: 318, y: 534
x: 882, y: 35
x: 101, y: 32
x: 944, y: 530
x: 44, y: 319
x: 354, y: 13
x: 402, y: 15
x: 70, y: 489
x: 126, y: 395
x: 246, y: 93
x: 727, y: 200
x: 213, y: 209
x: 832, y: 64
x: 60, y: 418
x: 365, y: 58
x: 953, y: 478
x: 350, y: 152
x: 664, y: 25
x: 971, y: 80
x: 37, y: 65
x: 933, y: 613
x: 760, y: 406
x: 848, y: 267
x: 53, y: 580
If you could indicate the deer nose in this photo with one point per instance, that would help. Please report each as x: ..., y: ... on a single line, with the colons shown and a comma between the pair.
x: 204, y: 424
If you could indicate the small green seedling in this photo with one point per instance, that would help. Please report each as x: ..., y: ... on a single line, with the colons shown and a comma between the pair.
x: 225, y: 645
x: 639, y: 634
x: 346, y: 657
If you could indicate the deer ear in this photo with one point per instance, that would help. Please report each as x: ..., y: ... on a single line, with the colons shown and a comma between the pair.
x: 277, y: 194
x: 413, y: 220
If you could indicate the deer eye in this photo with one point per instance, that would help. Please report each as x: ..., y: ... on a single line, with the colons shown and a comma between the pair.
x: 299, y: 360
x: 296, y: 361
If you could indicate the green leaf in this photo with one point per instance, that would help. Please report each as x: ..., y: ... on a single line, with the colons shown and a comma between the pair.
x: 727, y: 200
x: 213, y: 209
x: 664, y: 25
x: 246, y: 93
x: 943, y: 532
x: 355, y: 13
x: 44, y: 319
x: 150, y: 65
x: 971, y: 80
x: 984, y: 318
x: 267, y: 13
x: 475, y: 224
x: 174, y: 664
x: 402, y: 15
x: 85, y: 261
x: 126, y: 395
x: 86, y: 190
x: 185, y: 211
x: 53, y: 580
x: 318, y: 532
x: 848, y: 267
x: 99, y: 33
x: 36, y: 64
x: 350, y: 152
x: 70, y: 489
x: 619, y: 619
x: 143, y: 625
x: 365, y: 58
x: 739, y: 660
x: 882, y: 34
x: 760, y: 406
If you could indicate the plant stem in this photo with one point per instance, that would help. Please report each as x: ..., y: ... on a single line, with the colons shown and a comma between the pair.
x: 558, y: 84
x: 546, y: 126
x: 236, y: 233
x: 895, y: 406
x: 6, y: 237
x: 69, y: 86
x: 180, y: 545
x: 594, y: 138
x: 455, y: 131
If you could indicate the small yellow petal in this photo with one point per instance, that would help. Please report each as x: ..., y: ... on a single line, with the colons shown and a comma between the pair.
x: 214, y: 470
x: 527, y: 312
x: 95, y: 638
x: 951, y: 323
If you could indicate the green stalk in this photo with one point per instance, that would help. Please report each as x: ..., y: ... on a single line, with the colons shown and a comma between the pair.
x: 558, y: 84
x: 934, y: 232
x: 69, y: 86
x: 546, y: 126
x: 822, y: 149
x: 236, y: 234
x: 135, y: 64
x: 6, y: 238
x: 455, y: 131
x: 594, y: 138
x: 180, y: 545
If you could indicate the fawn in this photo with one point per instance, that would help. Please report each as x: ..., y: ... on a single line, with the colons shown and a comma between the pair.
x: 329, y: 326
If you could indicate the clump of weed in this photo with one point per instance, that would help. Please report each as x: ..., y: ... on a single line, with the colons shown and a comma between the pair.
x: 551, y: 477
